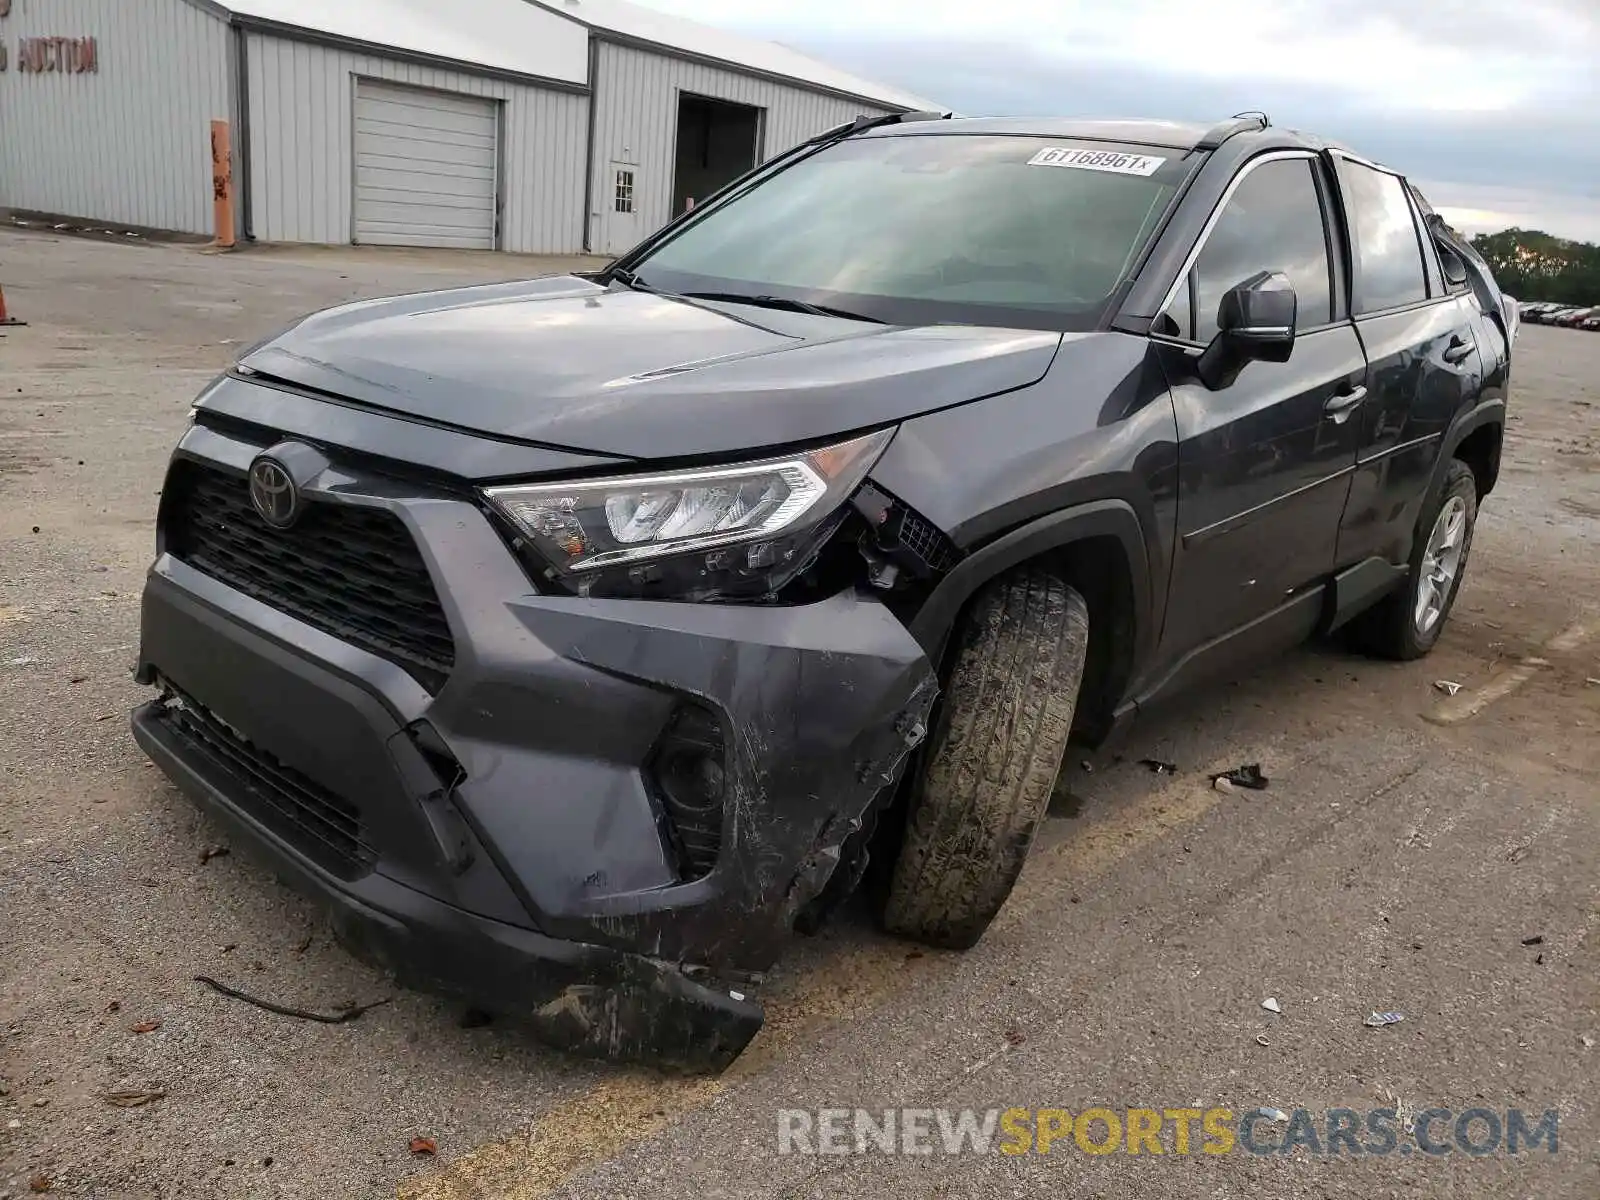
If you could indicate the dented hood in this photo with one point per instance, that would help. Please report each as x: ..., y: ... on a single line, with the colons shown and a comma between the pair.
x: 565, y: 362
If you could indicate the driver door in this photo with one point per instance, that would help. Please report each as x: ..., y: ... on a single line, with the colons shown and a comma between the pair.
x: 1265, y: 463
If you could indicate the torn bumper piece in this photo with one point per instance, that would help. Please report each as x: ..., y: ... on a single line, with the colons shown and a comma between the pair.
x: 586, y: 999
x: 512, y: 837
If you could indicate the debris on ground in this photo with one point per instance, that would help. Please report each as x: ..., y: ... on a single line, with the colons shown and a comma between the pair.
x: 1247, y: 776
x: 303, y: 944
x: 1272, y: 1114
x: 1448, y: 686
x: 1159, y: 767
x: 211, y: 852
x: 133, y: 1099
x: 1518, y: 852
x: 145, y: 1026
x: 41, y: 1183
x: 1536, y: 940
x: 1592, y: 681
x: 424, y: 1146
x: 1271, y: 1004
x: 1261, y: 1039
x: 1588, y: 1042
x: 349, y: 1012
x: 114, y: 1005
x: 1015, y: 1036
x: 1379, y: 1019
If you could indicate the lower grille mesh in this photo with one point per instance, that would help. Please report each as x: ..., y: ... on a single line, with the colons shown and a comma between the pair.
x: 326, y: 828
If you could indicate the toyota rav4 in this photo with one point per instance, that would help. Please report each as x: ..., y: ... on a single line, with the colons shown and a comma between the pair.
x: 574, y: 640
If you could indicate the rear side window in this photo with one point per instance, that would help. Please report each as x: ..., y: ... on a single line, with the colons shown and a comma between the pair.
x: 1272, y: 222
x: 1388, y: 252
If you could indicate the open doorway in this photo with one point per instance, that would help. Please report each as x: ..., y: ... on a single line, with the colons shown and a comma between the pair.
x: 717, y: 143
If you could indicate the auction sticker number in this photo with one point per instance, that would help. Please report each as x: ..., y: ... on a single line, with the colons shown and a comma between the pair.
x: 1115, y: 161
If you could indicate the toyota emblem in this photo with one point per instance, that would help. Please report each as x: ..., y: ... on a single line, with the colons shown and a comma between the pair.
x: 273, y: 493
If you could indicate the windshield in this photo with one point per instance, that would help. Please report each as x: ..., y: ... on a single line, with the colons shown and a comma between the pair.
x: 998, y: 230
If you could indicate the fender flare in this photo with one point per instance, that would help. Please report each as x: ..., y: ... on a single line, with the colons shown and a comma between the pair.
x: 1097, y: 518
x: 1486, y: 412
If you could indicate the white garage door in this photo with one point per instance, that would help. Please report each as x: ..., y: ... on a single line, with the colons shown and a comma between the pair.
x: 425, y: 167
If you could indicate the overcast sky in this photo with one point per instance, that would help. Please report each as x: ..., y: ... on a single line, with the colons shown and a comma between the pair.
x: 1492, y: 106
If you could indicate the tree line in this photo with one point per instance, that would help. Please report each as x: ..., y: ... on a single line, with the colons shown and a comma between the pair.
x: 1532, y: 265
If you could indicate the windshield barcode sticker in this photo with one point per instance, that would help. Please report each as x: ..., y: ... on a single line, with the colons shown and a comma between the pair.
x: 1115, y: 161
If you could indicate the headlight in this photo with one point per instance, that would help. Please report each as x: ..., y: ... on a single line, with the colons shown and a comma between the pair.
x: 710, y: 528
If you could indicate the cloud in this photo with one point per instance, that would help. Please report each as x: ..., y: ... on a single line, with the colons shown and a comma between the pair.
x: 1498, y: 107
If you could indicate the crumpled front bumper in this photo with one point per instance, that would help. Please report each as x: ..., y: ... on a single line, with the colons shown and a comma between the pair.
x: 534, y: 874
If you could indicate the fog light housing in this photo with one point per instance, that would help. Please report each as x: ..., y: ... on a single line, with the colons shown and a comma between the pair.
x: 687, y: 775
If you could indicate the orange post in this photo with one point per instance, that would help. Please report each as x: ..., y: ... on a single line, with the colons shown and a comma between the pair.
x: 6, y: 319
x: 222, y: 183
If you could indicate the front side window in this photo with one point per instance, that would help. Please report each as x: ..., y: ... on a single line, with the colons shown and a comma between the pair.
x: 1272, y: 222
x: 928, y: 228
x: 1388, y: 253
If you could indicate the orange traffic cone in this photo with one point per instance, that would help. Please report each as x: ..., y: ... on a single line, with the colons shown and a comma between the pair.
x: 4, y: 318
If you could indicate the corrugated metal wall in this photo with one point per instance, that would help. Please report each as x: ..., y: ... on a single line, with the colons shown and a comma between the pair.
x: 129, y: 143
x: 636, y: 118
x: 301, y: 142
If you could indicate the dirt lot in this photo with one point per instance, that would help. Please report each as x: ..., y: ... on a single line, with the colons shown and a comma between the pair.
x: 1407, y: 847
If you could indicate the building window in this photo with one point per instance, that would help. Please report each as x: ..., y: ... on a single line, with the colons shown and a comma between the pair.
x: 624, y: 191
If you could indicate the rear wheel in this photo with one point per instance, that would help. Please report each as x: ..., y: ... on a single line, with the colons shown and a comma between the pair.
x: 1407, y: 623
x: 992, y: 760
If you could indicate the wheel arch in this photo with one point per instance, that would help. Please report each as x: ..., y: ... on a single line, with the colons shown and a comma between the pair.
x: 1099, y: 547
x: 1476, y: 438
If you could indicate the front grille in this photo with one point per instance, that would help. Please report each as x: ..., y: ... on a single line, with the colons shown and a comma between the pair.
x: 324, y: 827
x: 351, y: 571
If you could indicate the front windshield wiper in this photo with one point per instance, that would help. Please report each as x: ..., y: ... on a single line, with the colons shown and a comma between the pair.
x: 630, y: 279
x: 783, y: 302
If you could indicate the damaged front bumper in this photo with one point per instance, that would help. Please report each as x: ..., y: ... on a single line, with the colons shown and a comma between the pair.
x: 521, y: 835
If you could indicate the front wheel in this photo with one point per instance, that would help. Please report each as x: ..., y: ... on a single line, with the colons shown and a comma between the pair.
x: 1407, y: 623
x: 992, y: 760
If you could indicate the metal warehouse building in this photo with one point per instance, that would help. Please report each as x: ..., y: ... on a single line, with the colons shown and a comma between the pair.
x: 541, y: 126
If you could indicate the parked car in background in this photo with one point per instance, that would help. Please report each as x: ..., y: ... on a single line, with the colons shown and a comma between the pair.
x: 1573, y: 316
x: 1591, y: 322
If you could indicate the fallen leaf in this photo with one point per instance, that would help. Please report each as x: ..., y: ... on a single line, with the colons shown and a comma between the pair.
x: 114, y: 1006
x: 133, y: 1099
x: 40, y: 1183
x: 211, y: 852
x: 424, y: 1146
x: 145, y: 1026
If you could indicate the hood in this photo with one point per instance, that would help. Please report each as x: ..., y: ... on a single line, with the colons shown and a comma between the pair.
x: 567, y: 363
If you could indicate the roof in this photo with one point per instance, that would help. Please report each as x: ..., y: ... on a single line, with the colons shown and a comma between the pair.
x: 1174, y: 135
x: 503, y: 35
x: 546, y: 39
x: 638, y: 23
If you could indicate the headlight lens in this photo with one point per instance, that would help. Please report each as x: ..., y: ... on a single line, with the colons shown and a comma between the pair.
x: 748, y: 519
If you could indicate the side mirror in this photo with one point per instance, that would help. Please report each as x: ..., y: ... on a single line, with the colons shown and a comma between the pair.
x: 1455, y: 271
x: 1255, y: 323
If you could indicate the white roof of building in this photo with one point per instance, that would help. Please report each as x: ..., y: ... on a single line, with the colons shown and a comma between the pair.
x: 650, y: 25
x: 507, y: 35
x: 548, y: 38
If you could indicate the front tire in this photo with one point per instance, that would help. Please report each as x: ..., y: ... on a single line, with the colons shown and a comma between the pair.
x: 992, y: 760
x: 1407, y: 624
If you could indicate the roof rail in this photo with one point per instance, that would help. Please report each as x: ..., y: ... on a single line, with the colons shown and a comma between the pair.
x: 1245, y: 122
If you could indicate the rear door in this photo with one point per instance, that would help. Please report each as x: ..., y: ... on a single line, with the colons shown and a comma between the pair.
x: 1422, y: 346
x: 1264, y: 466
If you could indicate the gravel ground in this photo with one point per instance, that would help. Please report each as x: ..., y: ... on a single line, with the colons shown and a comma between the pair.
x: 1408, y: 845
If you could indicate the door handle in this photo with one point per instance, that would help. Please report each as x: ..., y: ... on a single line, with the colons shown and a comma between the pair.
x: 1341, y: 404
x: 1458, y: 351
